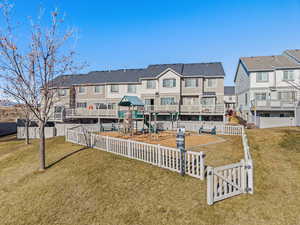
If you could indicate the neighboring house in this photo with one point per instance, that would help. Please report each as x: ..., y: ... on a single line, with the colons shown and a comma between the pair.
x: 191, y: 91
x: 265, y: 86
x: 229, y: 97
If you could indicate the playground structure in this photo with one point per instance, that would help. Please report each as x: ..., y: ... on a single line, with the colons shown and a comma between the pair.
x: 134, y: 117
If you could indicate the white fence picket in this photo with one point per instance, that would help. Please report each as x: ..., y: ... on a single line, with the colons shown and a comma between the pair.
x: 165, y: 157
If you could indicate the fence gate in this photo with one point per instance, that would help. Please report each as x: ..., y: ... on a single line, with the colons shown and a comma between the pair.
x: 225, y: 181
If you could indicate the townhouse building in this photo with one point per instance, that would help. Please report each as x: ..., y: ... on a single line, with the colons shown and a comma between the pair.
x: 268, y: 86
x: 229, y: 97
x: 188, y: 91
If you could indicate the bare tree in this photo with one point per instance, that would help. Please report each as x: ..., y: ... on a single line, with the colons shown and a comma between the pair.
x: 28, y: 71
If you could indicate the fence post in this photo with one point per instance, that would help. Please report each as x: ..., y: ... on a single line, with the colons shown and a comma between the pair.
x: 129, y: 149
x: 210, y: 185
x: 77, y: 136
x: 243, y: 176
x: 159, y: 155
x: 92, y: 140
x: 67, y: 136
x: 250, y: 187
x: 202, y: 155
x: 107, y: 143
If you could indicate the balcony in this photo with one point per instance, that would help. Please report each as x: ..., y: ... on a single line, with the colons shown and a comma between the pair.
x: 90, y: 113
x: 114, y: 113
x: 273, y: 105
x: 189, y: 109
x: 161, y: 108
x: 202, y: 109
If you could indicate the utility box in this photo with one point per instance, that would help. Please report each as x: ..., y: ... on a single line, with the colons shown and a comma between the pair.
x: 180, y: 142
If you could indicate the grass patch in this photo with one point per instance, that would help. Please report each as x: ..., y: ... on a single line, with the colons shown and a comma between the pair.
x: 291, y: 140
x: 90, y: 186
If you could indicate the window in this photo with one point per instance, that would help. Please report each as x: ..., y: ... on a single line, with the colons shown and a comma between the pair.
x: 191, y: 82
x: 58, y: 109
x: 208, y: 101
x: 98, y: 89
x: 211, y: 83
x: 81, y: 90
x: 246, y: 98
x: 81, y: 105
x: 62, y: 92
x: 151, y: 84
x: 262, y: 77
x: 114, y: 88
x: 148, y: 101
x: 287, y: 96
x: 169, y: 83
x: 288, y: 75
x: 111, y: 105
x: 131, y: 88
x: 100, y: 106
x: 260, y: 96
x: 167, y: 101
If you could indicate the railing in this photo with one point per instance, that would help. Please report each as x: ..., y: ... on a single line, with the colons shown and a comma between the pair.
x: 161, y: 108
x: 274, y: 103
x: 217, y: 108
x: 161, y: 156
x: 222, y: 129
x: 90, y: 112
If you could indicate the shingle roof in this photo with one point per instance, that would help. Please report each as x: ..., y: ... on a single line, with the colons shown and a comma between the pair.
x: 134, y: 75
x: 293, y: 53
x: 261, y: 63
x: 229, y: 90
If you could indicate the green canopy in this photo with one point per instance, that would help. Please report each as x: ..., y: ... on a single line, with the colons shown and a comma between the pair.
x: 131, y: 101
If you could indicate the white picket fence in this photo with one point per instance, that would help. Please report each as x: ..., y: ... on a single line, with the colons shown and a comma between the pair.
x: 221, y: 128
x: 222, y: 182
x: 230, y: 180
x: 161, y: 156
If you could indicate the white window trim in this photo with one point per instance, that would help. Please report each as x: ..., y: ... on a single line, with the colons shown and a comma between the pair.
x: 171, y: 79
x: 154, y: 81
x: 262, y: 81
x: 214, y: 83
x: 197, y: 83
x: 65, y: 91
x: 135, y: 90
x: 82, y: 93
x: 289, y: 71
x: 111, y: 91
x: 101, y: 91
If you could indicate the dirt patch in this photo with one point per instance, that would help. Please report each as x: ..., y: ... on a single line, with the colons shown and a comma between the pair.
x: 168, y: 138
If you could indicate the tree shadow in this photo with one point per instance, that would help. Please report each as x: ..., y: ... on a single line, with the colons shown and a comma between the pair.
x: 66, y: 156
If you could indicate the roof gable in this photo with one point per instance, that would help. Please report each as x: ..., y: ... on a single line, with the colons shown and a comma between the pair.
x: 131, y: 101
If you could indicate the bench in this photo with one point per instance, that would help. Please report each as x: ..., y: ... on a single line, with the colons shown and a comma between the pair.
x: 212, y: 131
x: 108, y: 127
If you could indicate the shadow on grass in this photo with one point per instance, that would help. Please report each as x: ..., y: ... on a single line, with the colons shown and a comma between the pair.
x: 6, y: 138
x: 66, y: 156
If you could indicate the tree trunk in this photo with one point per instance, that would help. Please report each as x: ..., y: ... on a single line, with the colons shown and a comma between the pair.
x: 27, y: 131
x: 42, y: 147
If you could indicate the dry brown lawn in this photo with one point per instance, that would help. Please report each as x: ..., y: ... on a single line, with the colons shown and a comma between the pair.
x: 90, y: 186
x: 10, y: 114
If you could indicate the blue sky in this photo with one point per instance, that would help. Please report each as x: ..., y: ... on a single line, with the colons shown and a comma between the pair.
x: 133, y: 34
